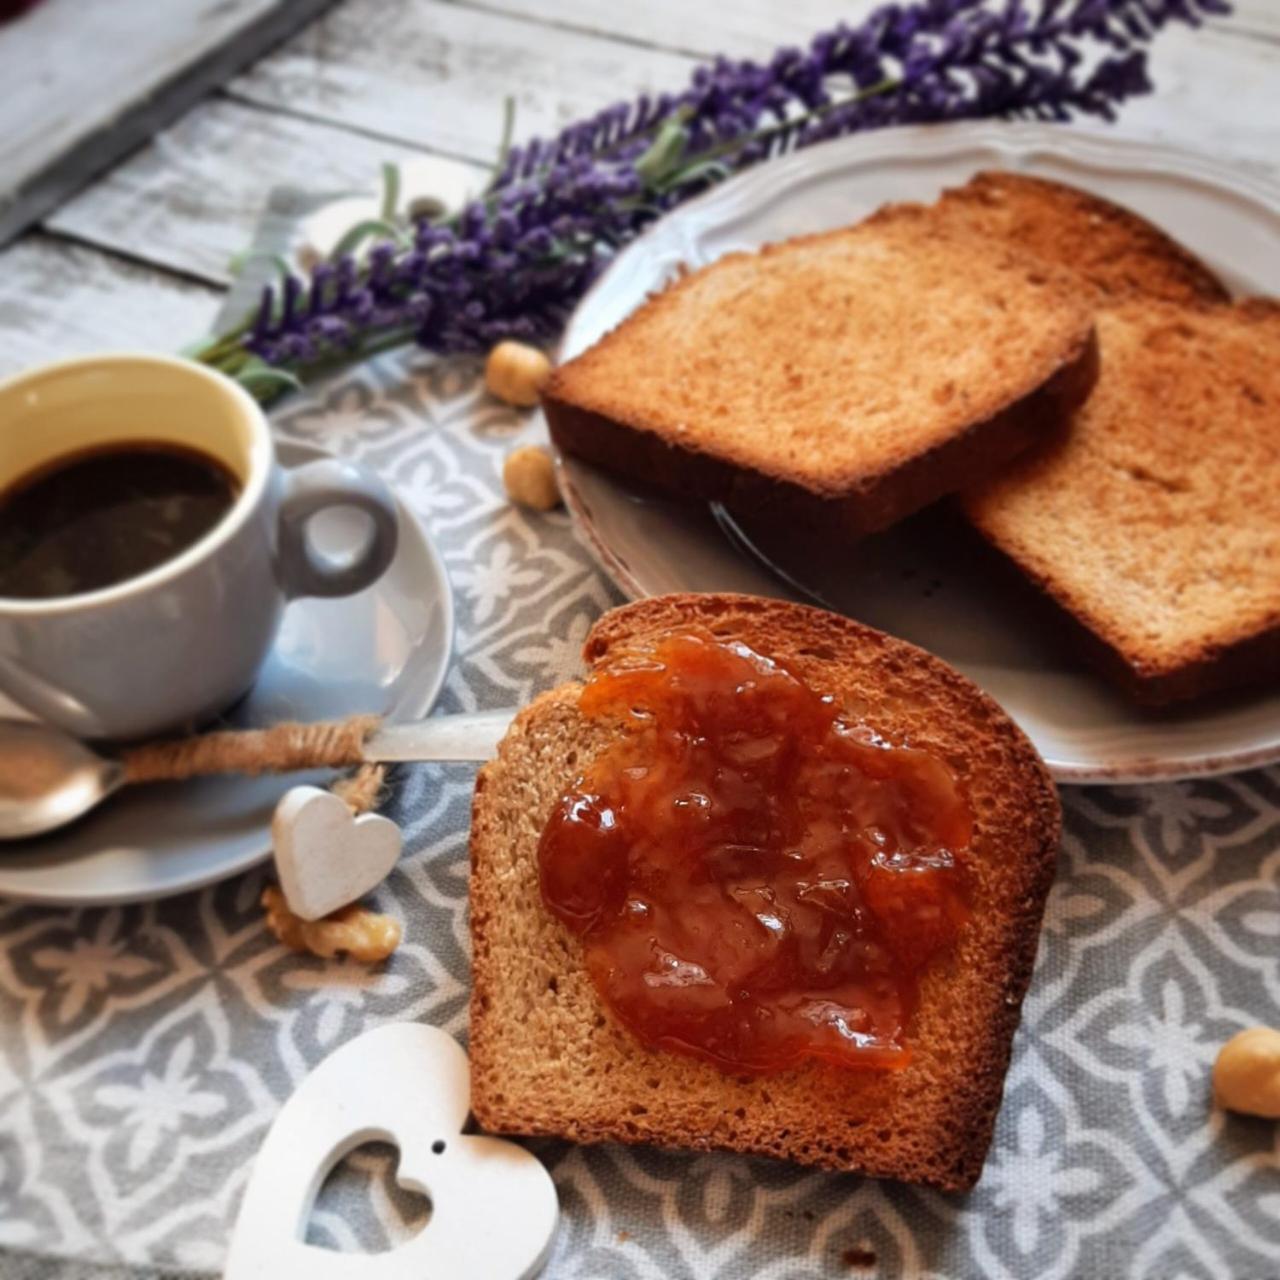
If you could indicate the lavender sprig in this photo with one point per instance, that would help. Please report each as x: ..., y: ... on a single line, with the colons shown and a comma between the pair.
x: 513, y: 263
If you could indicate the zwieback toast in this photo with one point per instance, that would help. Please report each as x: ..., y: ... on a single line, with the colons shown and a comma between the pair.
x: 547, y: 1055
x: 1155, y: 522
x: 838, y: 381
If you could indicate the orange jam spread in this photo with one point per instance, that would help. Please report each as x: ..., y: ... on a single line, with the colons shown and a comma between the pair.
x: 756, y: 879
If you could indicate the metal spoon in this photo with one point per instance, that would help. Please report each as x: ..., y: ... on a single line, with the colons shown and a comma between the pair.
x: 48, y: 778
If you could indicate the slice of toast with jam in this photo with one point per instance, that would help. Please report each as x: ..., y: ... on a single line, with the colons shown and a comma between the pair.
x: 556, y: 1049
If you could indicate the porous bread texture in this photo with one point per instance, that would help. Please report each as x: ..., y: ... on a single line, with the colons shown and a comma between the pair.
x: 1152, y: 522
x: 847, y: 378
x: 547, y: 1056
x: 1112, y: 249
x: 1155, y: 522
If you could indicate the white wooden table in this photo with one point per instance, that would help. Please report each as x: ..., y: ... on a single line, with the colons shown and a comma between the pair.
x: 141, y: 257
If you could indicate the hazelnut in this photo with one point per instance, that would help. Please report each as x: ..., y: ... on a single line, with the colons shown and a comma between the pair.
x: 515, y: 373
x: 529, y: 477
x: 1246, y: 1076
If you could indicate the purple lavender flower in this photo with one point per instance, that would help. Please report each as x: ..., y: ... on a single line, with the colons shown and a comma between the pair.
x: 514, y: 263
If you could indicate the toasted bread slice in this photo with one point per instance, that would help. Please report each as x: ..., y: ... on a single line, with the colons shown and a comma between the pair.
x: 547, y: 1056
x: 1155, y: 522
x: 840, y: 380
x: 1113, y: 249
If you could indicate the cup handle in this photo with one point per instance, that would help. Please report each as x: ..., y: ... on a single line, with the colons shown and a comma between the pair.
x: 312, y: 488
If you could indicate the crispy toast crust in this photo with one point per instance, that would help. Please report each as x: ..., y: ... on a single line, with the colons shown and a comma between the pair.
x: 547, y: 1056
x: 1219, y: 667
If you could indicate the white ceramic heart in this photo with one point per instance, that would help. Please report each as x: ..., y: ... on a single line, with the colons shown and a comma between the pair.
x: 325, y: 857
x: 493, y: 1206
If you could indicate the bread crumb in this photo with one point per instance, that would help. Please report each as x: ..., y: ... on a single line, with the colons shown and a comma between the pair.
x: 1246, y: 1076
x: 529, y: 477
x: 516, y: 372
x: 858, y: 1258
x: 624, y: 1236
x: 362, y: 934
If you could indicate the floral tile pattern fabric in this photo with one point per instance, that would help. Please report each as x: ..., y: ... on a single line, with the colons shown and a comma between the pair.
x: 145, y: 1050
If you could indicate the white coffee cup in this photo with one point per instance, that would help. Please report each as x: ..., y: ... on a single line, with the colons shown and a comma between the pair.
x: 170, y: 648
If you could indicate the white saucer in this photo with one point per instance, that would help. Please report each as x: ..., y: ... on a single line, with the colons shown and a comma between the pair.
x: 385, y: 650
x: 944, y: 603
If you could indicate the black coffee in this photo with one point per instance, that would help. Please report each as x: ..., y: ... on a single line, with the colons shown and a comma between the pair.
x: 92, y: 519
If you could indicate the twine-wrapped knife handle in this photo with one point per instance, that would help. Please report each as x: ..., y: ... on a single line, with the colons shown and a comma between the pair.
x: 284, y: 748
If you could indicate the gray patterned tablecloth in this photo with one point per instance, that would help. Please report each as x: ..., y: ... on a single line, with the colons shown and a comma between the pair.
x: 145, y: 1050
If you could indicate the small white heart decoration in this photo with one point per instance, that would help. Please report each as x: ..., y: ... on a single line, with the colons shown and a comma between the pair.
x: 493, y: 1206
x: 325, y: 857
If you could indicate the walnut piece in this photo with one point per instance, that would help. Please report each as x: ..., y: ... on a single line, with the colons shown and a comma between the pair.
x: 364, y: 935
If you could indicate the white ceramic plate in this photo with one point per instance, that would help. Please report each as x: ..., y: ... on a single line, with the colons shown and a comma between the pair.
x: 384, y: 650
x: 901, y: 583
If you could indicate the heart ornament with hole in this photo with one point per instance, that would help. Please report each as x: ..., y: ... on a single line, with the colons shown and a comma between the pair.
x: 493, y: 1206
x: 325, y: 856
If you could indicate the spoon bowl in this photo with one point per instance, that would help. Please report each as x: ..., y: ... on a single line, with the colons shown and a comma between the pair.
x: 48, y: 778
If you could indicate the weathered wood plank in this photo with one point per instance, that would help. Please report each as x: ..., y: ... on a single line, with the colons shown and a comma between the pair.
x: 1258, y: 19
x: 1217, y: 88
x: 61, y: 300
x: 746, y: 29
x: 191, y: 199
x: 753, y: 28
x: 85, y: 83
x: 436, y: 74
